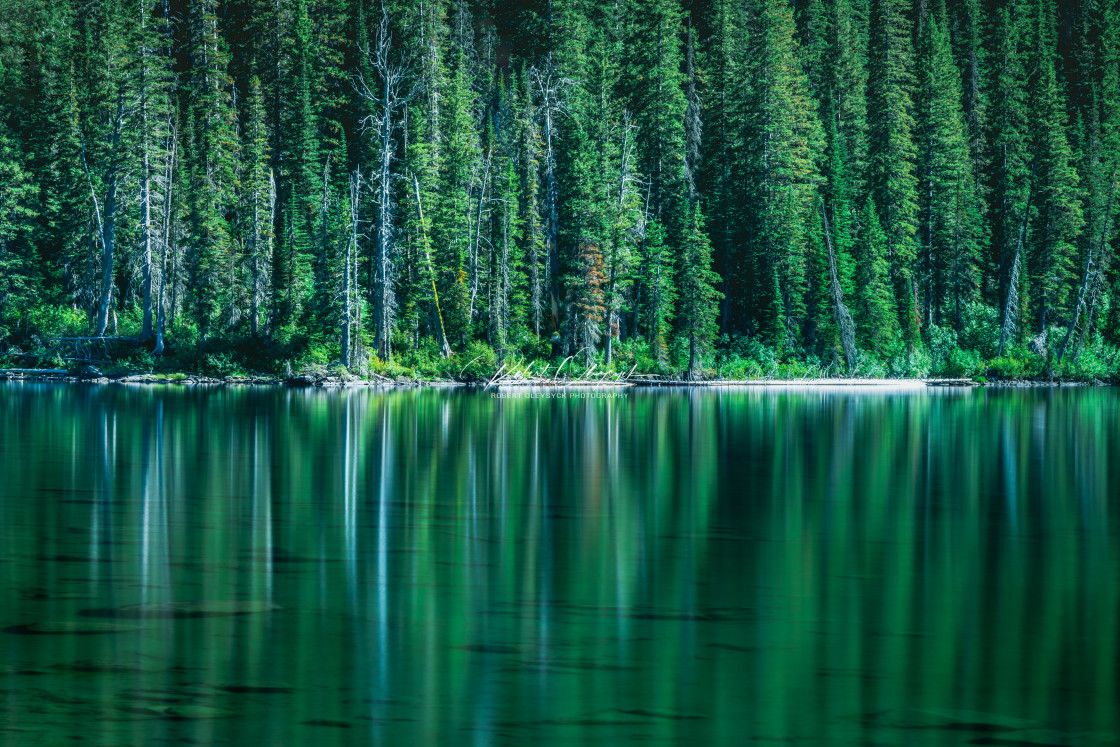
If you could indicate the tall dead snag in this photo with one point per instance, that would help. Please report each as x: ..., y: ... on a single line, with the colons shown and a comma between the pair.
x: 165, y: 233
x: 1090, y: 271
x: 350, y: 270
x: 616, y: 258
x: 1008, y: 324
x: 444, y: 347
x: 548, y: 88
x: 388, y: 95
x: 106, y: 214
x: 840, y: 313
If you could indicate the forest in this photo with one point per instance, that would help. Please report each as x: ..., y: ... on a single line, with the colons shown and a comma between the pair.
x: 690, y: 188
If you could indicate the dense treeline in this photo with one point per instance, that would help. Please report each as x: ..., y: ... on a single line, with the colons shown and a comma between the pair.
x: 859, y: 186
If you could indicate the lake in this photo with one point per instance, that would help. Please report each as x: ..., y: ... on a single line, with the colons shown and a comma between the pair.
x: 266, y: 566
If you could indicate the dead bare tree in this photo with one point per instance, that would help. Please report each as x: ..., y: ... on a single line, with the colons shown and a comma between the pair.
x: 387, y: 95
x: 350, y: 271
x: 615, y: 259
x: 106, y: 215
x: 1090, y: 270
x: 550, y: 89
x: 444, y: 347
x: 165, y: 235
x: 1008, y: 325
x: 840, y: 313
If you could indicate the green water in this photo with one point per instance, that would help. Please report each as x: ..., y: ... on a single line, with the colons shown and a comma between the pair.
x: 442, y: 567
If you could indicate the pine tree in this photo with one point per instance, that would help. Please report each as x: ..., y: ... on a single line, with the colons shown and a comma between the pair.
x: 784, y: 139
x: 507, y: 302
x: 1101, y: 174
x: 698, y: 297
x: 257, y: 207
x: 20, y: 279
x: 458, y: 179
x: 966, y: 21
x: 300, y: 169
x: 720, y: 79
x: 47, y: 125
x: 212, y: 169
x: 657, y: 275
x: 893, y: 153
x: 1058, y: 224
x: 1012, y: 167
x: 655, y: 79
x: 949, y: 206
x: 875, y: 315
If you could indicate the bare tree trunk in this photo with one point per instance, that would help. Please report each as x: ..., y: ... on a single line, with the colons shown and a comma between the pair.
x: 445, y: 349
x: 145, y: 195
x: 1011, y: 305
x: 550, y: 89
x: 106, y: 223
x: 165, y: 241
x: 351, y: 249
x: 611, y: 299
x: 840, y: 312
x: 388, y: 96
x: 476, y: 240
x: 1088, y: 273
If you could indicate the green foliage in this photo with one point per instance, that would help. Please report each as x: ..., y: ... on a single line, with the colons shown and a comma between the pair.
x: 980, y: 329
x: 219, y: 364
x: 637, y: 179
x: 905, y: 361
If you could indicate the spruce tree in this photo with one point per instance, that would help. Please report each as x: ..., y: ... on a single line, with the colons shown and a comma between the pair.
x: 893, y: 154
x: 874, y: 308
x: 949, y: 206
x: 212, y: 168
x: 1012, y: 167
x: 697, y: 294
x: 20, y: 276
x: 1058, y: 224
x: 784, y: 140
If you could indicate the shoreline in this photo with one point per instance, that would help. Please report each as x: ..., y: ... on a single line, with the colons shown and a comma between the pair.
x: 337, y: 382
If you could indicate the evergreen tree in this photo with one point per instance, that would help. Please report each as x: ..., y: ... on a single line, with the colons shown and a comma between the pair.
x: 893, y: 153
x: 654, y: 77
x: 1012, y: 167
x: 257, y: 207
x: 298, y: 156
x: 1058, y: 223
x: 698, y: 297
x: 949, y: 206
x: 875, y: 317
x: 660, y: 296
x: 19, y: 266
x: 212, y: 174
x: 784, y: 140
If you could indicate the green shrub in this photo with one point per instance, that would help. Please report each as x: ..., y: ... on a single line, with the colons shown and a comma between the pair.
x: 1006, y: 368
x: 139, y: 359
x: 906, y: 363
x: 1096, y: 360
x: 868, y: 366
x: 220, y: 364
x: 963, y: 363
x: 478, y: 360
x: 53, y: 321
x: 980, y: 329
x: 942, y: 343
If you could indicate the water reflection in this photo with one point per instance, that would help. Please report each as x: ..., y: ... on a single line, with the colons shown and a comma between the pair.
x: 444, y: 567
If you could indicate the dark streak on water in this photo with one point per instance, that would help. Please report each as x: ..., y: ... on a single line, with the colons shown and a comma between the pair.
x: 434, y: 567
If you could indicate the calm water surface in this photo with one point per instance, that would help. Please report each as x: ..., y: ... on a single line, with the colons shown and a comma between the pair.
x: 439, y: 567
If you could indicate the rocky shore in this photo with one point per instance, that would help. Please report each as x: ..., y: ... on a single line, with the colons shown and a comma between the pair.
x: 327, y: 380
